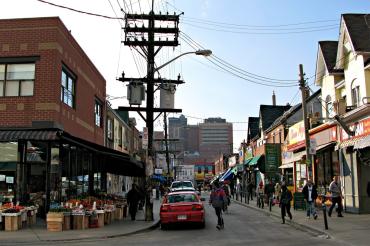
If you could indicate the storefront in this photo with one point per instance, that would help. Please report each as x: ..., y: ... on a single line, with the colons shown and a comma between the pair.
x: 354, y: 156
x: 50, y: 166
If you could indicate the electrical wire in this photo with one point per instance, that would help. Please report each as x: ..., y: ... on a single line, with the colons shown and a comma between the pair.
x: 223, y: 66
x: 253, y: 75
x: 79, y: 11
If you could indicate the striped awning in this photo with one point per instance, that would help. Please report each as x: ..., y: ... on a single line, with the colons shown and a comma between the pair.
x: 350, y: 142
x: 14, y: 135
x: 362, y: 143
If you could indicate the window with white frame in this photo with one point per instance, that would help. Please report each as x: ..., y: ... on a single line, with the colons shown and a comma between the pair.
x: 110, y: 129
x: 355, y: 91
x: 17, y: 79
x: 68, y: 91
x: 98, y: 113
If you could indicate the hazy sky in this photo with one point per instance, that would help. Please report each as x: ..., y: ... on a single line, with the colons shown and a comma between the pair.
x: 267, y: 38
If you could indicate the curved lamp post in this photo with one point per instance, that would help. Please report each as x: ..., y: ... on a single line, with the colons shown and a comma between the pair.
x: 198, y: 52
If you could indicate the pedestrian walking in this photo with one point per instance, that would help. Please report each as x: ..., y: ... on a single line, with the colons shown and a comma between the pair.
x: 310, y: 195
x: 286, y: 197
x: 133, y: 198
x: 250, y: 190
x: 336, y: 196
x: 277, y: 191
x: 260, y: 195
x: 218, y: 201
x: 226, y: 189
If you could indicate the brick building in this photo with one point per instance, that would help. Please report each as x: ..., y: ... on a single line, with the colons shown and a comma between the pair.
x: 52, y: 111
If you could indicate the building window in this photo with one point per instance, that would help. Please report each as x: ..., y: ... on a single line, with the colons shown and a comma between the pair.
x: 355, y: 90
x: 120, y: 136
x: 98, y: 113
x: 68, y: 91
x: 110, y: 128
x: 17, y: 79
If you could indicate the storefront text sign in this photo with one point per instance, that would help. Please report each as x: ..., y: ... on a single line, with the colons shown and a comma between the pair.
x: 361, y: 128
x: 296, y: 135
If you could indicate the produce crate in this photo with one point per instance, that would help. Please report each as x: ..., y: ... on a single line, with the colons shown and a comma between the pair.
x: 78, y: 222
x: 101, y: 217
x: 13, y: 221
x: 55, y: 221
x: 67, y: 221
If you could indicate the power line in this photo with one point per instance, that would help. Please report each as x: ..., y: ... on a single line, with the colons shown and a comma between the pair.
x: 79, y: 11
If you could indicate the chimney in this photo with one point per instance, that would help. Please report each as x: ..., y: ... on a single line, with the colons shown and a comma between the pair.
x: 273, y: 98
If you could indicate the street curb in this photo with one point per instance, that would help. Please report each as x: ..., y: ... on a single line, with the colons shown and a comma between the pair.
x: 295, y: 224
x: 153, y: 226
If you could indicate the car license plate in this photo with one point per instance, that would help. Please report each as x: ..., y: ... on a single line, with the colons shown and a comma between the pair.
x: 181, y: 217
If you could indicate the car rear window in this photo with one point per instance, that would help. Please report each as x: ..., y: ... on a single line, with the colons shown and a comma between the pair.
x: 181, y: 184
x: 182, y: 198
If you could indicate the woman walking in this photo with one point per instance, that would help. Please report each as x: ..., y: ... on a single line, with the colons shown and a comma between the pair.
x: 286, y: 197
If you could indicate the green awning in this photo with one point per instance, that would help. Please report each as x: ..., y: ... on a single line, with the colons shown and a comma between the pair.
x: 254, y: 161
x: 246, y: 162
x: 8, y: 166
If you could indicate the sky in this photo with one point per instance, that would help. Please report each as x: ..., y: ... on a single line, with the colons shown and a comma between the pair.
x: 253, y: 42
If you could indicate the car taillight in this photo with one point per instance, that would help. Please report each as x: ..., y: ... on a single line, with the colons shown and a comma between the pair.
x: 165, y: 208
x: 197, y: 207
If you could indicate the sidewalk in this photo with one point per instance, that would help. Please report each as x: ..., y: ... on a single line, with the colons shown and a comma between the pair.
x: 38, y: 233
x: 352, y: 228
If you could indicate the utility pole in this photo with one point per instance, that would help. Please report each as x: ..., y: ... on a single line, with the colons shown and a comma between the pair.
x: 302, y: 86
x: 141, y: 31
x: 166, y: 145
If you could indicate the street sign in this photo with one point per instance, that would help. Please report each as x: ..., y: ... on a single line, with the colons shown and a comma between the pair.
x: 313, y: 145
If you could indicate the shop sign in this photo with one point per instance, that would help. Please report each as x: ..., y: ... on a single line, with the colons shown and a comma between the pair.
x: 145, y: 138
x: 361, y: 128
x: 272, y: 157
x: 232, y: 161
x: 158, y: 171
x: 296, y: 134
x: 313, y: 145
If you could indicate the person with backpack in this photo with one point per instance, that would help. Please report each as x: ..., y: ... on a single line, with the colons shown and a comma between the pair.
x: 218, y: 200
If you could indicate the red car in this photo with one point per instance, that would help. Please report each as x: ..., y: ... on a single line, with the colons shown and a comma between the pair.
x: 182, y: 207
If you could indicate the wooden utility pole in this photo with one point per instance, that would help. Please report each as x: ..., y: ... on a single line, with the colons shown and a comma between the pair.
x: 141, y: 31
x: 166, y: 145
x: 302, y: 86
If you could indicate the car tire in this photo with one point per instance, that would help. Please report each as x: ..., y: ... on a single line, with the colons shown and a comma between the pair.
x: 202, y: 225
x: 164, y: 227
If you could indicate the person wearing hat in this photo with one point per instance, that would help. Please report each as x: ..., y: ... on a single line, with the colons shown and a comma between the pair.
x: 310, y: 195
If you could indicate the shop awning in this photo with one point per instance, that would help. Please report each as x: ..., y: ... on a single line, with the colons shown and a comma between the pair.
x: 350, y: 142
x: 362, y: 143
x: 246, y: 162
x: 255, y: 160
x: 28, y: 134
x: 8, y: 166
x: 287, y: 165
x: 327, y: 145
x: 229, y: 174
x: 116, y: 162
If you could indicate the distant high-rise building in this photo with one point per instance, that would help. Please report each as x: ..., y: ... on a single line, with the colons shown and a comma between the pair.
x: 215, y: 138
x: 176, y: 128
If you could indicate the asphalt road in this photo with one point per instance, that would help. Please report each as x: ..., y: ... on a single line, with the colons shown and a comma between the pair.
x: 243, y: 226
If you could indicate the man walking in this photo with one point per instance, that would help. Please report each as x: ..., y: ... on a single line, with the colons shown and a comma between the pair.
x: 286, y: 198
x: 218, y: 200
x: 310, y: 195
x: 133, y: 198
x: 336, y: 196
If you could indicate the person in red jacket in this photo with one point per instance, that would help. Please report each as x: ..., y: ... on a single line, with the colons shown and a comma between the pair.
x: 218, y: 200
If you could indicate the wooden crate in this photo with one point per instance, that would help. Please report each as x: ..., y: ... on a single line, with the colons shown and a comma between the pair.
x: 54, y: 226
x: 78, y: 222
x: 55, y: 221
x: 100, y: 219
x: 108, y: 217
x: 11, y: 223
x: 67, y: 222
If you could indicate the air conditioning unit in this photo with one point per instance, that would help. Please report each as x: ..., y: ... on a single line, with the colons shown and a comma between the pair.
x: 340, y: 106
x: 135, y: 93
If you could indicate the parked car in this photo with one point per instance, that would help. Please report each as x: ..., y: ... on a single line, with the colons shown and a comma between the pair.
x: 182, y: 186
x: 182, y: 207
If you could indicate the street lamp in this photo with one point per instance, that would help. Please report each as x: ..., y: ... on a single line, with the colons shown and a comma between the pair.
x: 198, y: 52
